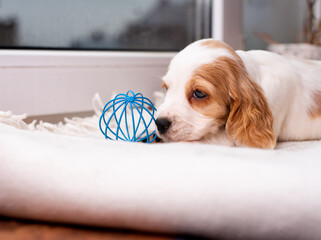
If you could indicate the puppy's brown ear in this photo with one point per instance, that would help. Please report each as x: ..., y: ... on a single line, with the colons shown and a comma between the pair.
x: 250, y: 122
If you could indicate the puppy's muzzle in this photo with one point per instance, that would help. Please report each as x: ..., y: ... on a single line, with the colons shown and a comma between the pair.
x: 163, y: 125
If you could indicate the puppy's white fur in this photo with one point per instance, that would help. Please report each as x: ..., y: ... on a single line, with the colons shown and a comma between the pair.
x: 288, y: 84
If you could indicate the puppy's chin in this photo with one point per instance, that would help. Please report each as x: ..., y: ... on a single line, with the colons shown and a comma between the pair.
x: 218, y: 137
x: 168, y: 138
x: 178, y: 135
x: 186, y: 135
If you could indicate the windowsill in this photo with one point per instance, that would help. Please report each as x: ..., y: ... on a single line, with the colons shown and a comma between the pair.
x: 43, y: 58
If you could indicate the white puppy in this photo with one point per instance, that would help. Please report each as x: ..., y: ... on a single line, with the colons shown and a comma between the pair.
x: 238, y: 98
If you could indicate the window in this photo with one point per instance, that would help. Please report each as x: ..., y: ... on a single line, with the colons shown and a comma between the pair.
x: 160, y: 25
x: 280, y: 21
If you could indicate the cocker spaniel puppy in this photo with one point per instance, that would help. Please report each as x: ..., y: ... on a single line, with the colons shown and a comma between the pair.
x: 239, y: 98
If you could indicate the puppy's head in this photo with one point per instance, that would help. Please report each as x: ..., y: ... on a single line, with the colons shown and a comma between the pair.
x: 208, y: 90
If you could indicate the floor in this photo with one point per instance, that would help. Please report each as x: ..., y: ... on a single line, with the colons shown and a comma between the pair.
x: 13, y: 229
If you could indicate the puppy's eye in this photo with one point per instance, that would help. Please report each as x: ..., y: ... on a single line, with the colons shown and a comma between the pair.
x: 199, y: 94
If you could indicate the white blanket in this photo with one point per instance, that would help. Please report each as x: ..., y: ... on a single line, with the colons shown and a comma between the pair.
x: 204, y: 190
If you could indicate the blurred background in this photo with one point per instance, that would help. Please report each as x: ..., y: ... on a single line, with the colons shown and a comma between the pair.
x: 55, y: 55
x: 103, y: 24
x: 162, y: 25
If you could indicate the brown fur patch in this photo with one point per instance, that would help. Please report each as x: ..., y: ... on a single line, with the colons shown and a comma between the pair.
x: 211, y: 82
x: 211, y: 43
x: 233, y: 99
x: 315, y: 110
x: 164, y: 85
x: 310, y: 62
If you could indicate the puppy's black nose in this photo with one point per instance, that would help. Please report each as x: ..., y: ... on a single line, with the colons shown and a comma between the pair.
x: 163, y: 125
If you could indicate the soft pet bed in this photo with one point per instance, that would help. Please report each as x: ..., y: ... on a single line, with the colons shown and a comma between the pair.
x: 204, y: 190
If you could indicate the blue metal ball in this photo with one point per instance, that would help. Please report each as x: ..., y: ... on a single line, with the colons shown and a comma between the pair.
x: 127, y: 117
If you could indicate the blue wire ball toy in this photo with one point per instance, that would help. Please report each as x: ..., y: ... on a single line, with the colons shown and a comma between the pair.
x: 127, y: 117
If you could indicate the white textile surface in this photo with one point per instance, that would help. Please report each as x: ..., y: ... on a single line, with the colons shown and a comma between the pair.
x: 205, y: 190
